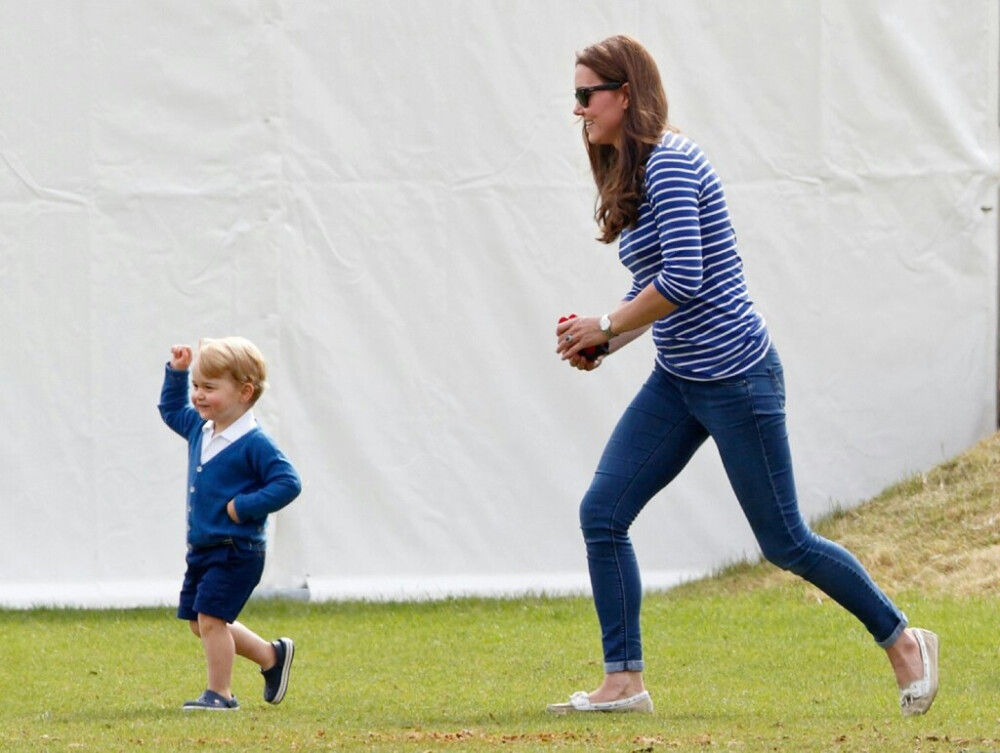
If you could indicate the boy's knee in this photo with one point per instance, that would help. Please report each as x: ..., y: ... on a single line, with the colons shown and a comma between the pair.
x: 193, y: 624
x: 207, y: 623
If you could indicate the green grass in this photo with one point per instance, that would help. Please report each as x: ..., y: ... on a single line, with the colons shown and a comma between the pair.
x: 750, y: 660
x: 756, y: 671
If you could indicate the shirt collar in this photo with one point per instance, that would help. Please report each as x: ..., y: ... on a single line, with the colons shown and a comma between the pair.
x: 235, y: 430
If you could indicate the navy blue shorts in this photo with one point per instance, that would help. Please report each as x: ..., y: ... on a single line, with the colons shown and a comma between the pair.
x: 220, y: 579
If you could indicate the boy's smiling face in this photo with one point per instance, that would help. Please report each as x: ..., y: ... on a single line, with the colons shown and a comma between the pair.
x: 221, y: 400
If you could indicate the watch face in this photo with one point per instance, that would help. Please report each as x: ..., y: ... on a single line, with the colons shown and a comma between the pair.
x: 605, y: 323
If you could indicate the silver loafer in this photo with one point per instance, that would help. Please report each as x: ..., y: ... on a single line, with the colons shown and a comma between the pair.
x: 580, y: 702
x: 918, y: 696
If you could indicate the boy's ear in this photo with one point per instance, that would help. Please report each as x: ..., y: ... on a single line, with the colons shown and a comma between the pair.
x: 246, y: 391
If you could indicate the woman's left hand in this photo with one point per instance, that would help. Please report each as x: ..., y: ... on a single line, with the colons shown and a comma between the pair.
x: 574, y: 335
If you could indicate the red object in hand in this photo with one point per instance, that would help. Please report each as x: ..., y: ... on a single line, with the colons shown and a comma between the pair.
x: 593, y: 352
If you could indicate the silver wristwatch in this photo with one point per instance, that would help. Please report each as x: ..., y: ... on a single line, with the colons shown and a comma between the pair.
x: 605, y: 325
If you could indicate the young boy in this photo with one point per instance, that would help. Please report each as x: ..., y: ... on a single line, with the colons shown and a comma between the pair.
x: 236, y: 477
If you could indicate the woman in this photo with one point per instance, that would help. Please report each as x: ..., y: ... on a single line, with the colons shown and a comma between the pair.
x: 716, y: 375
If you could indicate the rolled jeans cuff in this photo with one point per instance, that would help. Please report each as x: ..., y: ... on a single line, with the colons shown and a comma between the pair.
x: 623, y: 666
x: 895, y: 635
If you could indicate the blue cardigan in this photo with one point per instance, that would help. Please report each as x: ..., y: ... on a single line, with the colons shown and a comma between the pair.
x: 252, y: 471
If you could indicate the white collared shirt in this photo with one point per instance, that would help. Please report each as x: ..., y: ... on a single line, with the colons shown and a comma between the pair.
x: 213, y: 445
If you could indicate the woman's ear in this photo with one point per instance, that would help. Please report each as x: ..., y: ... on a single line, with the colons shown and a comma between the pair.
x: 625, y: 98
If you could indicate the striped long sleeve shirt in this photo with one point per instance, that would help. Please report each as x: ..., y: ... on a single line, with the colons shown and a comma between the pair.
x: 684, y: 244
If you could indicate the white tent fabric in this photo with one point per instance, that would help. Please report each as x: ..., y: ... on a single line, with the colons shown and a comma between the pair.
x: 393, y: 201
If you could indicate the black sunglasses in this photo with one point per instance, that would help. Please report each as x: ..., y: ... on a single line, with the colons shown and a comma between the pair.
x: 584, y: 92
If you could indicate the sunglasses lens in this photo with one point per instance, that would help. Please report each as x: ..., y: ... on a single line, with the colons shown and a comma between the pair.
x: 583, y: 97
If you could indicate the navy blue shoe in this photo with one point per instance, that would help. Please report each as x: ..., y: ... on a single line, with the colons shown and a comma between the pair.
x: 276, y: 678
x: 212, y: 701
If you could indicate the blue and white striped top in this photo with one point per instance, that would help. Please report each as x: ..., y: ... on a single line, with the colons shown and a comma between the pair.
x: 685, y: 245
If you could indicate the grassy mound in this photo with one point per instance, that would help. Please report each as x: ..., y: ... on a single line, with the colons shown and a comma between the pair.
x: 937, y: 533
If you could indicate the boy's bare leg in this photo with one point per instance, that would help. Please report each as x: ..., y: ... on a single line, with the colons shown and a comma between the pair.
x: 220, y: 652
x: 251, y: 646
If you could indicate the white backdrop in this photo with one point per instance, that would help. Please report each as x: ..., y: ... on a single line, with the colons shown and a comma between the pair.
x: 392, y: 199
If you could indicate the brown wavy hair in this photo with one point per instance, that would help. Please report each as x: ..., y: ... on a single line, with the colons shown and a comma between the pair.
x: 619, y: 173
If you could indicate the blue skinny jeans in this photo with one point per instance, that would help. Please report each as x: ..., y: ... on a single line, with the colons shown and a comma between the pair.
x: 665, y: 424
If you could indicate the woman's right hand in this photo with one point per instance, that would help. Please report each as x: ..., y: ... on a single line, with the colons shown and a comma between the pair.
x: 180, y: 357
x: 584, y: 364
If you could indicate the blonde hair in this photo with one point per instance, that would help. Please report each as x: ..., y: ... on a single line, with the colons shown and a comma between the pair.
x: 236, y: 358
x: 619, y: 173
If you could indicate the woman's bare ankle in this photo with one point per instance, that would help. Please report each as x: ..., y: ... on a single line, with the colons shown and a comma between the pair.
x: 618, y: 685
x: 904, y: 655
